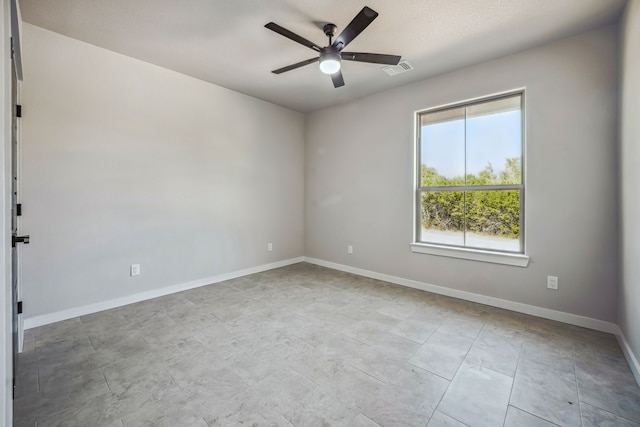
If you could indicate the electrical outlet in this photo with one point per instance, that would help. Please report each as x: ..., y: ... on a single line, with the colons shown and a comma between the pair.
x: 135, y: 270
x: 270, y: 247
x: 552, y: 282
x: 349, y: 249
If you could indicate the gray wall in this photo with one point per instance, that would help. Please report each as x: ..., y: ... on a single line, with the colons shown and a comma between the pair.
x: 359, y: 163
x: 125, y: 162
x: 629, y: 301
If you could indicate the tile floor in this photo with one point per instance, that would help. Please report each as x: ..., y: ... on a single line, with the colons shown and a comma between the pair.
x: 309, y: 346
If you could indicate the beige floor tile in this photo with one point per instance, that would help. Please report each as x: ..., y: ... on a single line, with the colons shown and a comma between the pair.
x: 519, y: 418
x: 547, y: 392
x: 362, y: 421
x: 409, y: 400
x: 304, y: 345
x: 441, y: 420
x: 496, y: 350
x: 596, y: 417
x: 477, y: 396
x: 443, y: 353
x: 609, y: 387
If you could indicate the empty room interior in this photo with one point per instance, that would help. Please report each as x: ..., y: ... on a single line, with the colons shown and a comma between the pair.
x: 302, y: 213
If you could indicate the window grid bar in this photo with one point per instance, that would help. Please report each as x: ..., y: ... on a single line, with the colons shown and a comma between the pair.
x: 473, y: 188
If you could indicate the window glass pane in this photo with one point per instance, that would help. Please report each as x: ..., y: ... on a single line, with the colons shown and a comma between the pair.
x: 442, y: 148
x: 494, y: 142
x: 493, y: 219
x: 471, y: 145
x: 442, y: 217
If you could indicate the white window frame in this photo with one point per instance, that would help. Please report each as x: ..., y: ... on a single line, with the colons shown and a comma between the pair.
x: 519, y: 259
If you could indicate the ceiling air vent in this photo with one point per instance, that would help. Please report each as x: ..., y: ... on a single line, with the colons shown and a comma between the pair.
x: 402, y: 67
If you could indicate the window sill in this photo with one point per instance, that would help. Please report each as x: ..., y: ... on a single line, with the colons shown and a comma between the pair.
x: 518, y: 260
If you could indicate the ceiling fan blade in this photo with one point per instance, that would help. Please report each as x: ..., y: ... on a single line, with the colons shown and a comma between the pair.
x: 292, y: 36
x: 296, y: 65
x: 376, y: 58
x: 337, y: 79
x: 355, y: 27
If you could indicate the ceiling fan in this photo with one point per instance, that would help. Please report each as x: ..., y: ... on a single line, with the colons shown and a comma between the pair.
x: 331, y: 56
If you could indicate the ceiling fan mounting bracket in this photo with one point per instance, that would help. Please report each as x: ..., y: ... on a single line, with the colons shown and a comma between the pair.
x: 330, y: 30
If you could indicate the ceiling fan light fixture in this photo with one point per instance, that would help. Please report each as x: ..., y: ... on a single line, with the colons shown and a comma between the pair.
x: 330, y: 57
x: 330, y: 62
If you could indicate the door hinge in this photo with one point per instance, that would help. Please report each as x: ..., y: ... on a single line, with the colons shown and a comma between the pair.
x: 19, y: 209
x: 19, y: 307
x: 18, y: 110
x: 19, y: 239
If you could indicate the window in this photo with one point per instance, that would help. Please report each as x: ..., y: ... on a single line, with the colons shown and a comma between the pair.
x: 470, y: 186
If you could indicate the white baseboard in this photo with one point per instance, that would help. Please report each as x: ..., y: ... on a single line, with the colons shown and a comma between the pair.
x: 629, y: 355
x: 560, y: 316
x: 573, y: 319
x: 45, y: 319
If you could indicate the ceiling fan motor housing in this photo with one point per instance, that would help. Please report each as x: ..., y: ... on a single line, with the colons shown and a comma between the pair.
x: 329, y: 52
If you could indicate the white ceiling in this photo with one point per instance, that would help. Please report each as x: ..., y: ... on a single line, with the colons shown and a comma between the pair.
x: 225, y: 42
